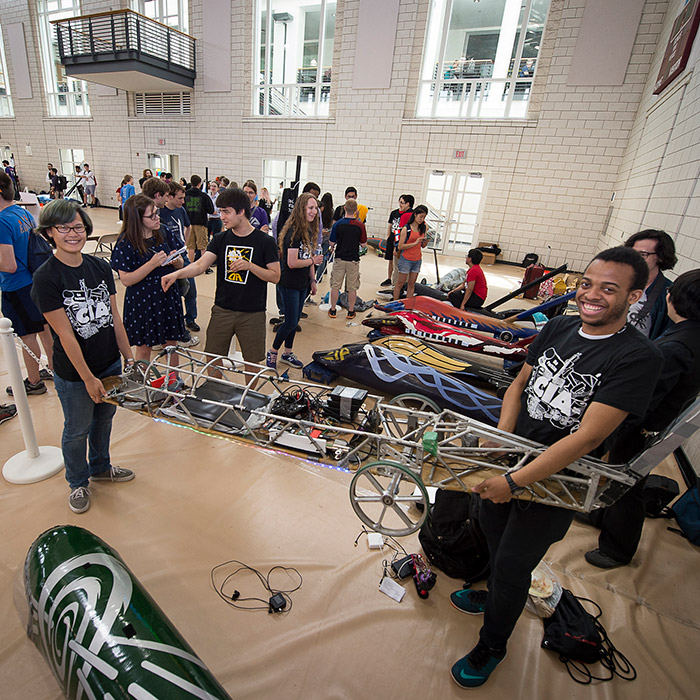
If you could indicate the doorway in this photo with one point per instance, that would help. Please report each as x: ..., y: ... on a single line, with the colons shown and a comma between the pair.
x: 158, y: 163
x: 455, y: 202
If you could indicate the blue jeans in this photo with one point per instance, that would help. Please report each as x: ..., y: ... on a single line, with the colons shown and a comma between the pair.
x: 87, y: 427
x: 191, y: 296
x: 293, y: 306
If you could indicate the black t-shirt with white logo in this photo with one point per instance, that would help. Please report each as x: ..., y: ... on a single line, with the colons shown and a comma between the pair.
x: 570, y: 371
x: 294, y: 277
x: 241, y: 291
x: 84, y: 294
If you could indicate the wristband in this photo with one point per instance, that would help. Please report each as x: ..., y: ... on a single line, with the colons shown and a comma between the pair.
x: 514, y: 488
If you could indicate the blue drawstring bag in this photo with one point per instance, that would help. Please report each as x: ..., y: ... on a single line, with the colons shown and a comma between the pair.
x: 686, y: 511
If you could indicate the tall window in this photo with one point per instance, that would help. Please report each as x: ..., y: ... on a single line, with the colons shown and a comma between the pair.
x: 278, y: 174
x: 68, y: 158
x: 174, y: 13
x: 5, y: 99
x: 67, y: 97
x: 480, y: 58
x: 293, y: 57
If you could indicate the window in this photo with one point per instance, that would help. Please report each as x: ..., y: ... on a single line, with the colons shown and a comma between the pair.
x: 163, y: 103
x: 278, y: 174
x: 68, y: 158
x: 293, y: 58
x: 480, y: 58
x: 5, y: 99
x: 66, y: 96
x: 174, y: 13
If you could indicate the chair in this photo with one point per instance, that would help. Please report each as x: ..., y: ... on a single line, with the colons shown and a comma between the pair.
x: 105, y: 245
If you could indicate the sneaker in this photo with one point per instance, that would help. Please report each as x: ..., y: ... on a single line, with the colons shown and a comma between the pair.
x: 332, y: 313
x: 114, y: 474
x: 194, y: 326
x: 386, y: 282
x: 7, y: 411
x: 45, y: 375
x: 475, y: 668
x: 469, y: 601
x: 310, y: 302
x: 209, y: 271
x: 602, y: 560
x: 271, y: 360
x: 79, y: 499
x: 38, y: 388
x: 351, y: 314
x: 304, y: 314
x: 194, y: 340
x: 291, y: 359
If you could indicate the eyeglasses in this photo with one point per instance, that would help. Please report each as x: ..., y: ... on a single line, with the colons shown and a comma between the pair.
x: 78, y: 228
x: 152, y: 216
x: 645, y: 254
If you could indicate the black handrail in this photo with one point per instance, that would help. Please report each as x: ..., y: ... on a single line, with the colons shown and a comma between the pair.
x: 124, y: 30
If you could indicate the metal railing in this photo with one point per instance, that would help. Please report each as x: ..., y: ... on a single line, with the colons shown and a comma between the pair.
x: 123, y: 34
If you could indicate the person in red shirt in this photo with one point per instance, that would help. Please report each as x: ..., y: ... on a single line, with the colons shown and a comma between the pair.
x: 471, y: 294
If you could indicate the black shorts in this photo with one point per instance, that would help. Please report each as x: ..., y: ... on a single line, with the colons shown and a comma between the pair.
x: 389, y: 252
x: 22, y: 312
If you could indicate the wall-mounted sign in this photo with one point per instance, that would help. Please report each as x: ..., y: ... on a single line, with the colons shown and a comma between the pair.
x: 161, y: 142
x: 460, y: 154
x: 679, y: 44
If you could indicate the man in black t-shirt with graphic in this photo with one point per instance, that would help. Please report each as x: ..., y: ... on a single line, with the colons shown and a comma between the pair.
x: 246, y: 261
x: 582, y: 378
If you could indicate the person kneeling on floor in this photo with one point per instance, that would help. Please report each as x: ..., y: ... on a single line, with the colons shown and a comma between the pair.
x: 77, y: 295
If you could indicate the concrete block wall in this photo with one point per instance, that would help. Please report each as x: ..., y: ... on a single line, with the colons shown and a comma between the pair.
x: 550, y: 177
x: 658, y: 185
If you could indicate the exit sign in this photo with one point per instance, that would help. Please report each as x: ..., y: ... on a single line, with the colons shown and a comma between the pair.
x: 460, y: 154
x: 161, y: 142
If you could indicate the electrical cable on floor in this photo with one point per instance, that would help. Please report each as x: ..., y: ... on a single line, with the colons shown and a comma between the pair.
x: 279, y: 601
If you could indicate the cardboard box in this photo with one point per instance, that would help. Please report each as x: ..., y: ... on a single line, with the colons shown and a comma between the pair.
x: 489, y: 258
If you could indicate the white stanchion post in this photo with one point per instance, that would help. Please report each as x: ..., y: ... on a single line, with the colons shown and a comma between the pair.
x: 35, y: 463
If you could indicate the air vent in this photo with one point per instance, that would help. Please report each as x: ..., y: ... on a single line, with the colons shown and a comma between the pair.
x: 163, y: 103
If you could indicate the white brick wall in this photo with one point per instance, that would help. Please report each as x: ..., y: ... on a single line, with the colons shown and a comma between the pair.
x: 550, y: 178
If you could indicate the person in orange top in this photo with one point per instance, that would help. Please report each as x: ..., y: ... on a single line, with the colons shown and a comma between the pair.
x: 412, y: 240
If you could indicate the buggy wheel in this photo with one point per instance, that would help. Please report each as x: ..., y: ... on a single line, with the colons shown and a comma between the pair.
x: 382, y: 495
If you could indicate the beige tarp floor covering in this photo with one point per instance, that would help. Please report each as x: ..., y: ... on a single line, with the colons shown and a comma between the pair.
x: 198, y: 501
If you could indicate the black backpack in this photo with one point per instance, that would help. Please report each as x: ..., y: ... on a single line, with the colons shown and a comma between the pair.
x: 579, y: 638
x: 452, y: 539
x: 62, y: 183
x: 38, y: 251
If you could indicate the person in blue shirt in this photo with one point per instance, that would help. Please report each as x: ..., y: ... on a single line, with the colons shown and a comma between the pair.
x: 16, y: 226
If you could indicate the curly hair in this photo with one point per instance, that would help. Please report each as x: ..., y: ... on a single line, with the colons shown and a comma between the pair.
x: 665, y: 247
x: 302, y: 230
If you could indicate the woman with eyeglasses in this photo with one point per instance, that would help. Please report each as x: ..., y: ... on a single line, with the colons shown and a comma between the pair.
x: 141, y: 257
x: 77, y: 296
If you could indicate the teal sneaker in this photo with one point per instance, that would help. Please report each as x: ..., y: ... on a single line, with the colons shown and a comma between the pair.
x: 475, y: 668
x: 469, y: 601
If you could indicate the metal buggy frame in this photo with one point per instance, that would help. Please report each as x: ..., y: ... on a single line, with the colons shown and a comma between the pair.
x: 396, y: 448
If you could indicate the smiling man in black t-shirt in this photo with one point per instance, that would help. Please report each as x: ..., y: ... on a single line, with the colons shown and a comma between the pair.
x: 246, y: 261
x: 582, y: 377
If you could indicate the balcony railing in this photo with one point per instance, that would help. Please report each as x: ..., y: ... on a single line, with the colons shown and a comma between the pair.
x: 93, y: 44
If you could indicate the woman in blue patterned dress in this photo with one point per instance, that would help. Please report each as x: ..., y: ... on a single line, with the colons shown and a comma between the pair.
x: 151, y: 316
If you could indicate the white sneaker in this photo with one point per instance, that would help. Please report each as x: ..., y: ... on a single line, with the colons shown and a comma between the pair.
x: 194, y: 340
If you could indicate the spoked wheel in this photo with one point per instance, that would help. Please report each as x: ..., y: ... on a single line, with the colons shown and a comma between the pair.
x: 400, y: 423
x: 382, y: 495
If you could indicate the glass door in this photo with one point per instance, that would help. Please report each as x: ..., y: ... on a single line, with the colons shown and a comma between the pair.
x: 455, y: 203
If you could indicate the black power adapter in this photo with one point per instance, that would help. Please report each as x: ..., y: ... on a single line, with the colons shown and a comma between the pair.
x: 277, y: 603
